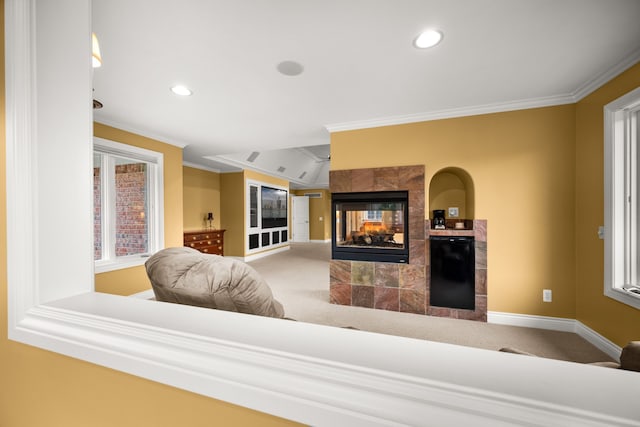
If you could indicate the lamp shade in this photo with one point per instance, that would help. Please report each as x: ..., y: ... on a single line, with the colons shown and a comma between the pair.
x: 95, y: 51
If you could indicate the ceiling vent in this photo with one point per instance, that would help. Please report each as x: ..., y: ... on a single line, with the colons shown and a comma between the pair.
x: 314, y: 195
x: 281, y: 169
x: 252, y: 156
x: 302, y: 175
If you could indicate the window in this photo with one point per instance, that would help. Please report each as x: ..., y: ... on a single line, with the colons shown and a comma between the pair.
x: 126, y: 192
x: 622, y: 199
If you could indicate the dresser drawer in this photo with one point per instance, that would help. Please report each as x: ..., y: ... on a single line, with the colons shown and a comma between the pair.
x: 206, y: 241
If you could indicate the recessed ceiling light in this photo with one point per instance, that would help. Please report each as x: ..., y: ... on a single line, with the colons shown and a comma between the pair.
x: 290, y: 68
x: 428, y: 39
x: 181, y: 90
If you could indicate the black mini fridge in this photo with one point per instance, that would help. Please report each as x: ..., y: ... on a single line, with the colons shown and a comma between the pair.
x: 452, y: 272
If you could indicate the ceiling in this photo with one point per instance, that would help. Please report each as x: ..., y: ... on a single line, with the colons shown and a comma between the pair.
x: 360, y: 69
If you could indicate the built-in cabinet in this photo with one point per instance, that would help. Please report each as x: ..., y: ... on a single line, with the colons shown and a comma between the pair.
x: 267, y: 217
x: 206, y: 241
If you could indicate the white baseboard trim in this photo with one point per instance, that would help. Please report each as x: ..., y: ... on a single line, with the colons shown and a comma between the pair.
x: 320, y: 241
x: 262, y: 254
x: 598, y: 340
x: 556, y: 324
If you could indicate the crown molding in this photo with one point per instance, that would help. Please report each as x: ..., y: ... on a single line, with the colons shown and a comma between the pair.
x: 591, y: 85
x: 452, y: 113
x: 141, y: 132
x: 201, y: 167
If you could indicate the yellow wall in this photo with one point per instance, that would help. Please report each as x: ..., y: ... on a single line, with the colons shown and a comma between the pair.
x: 131, y: 280
x: 318, y: 208
x: 232, y: 210
x: 618, y: 322
x: 201, y: 194
x: 522, y: 164
x: 40, y: 388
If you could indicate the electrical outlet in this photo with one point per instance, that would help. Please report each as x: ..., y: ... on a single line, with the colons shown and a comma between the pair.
x: 546, y: 295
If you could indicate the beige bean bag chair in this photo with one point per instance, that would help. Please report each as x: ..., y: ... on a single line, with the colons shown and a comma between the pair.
x: 186, y: 276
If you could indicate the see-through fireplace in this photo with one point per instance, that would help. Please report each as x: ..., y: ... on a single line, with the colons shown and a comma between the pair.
x: 370, y: 226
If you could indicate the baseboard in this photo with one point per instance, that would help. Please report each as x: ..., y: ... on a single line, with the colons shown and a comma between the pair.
x: 320, y: 241
x: 262, y: 254
x: 556, y: 324
x: 598, y: 340
x: 531, y: 321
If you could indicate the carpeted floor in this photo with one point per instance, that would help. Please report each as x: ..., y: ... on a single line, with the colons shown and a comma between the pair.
x: 299, y: 279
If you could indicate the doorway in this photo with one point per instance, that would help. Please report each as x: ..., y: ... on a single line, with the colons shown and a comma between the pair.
x: 300, y: 220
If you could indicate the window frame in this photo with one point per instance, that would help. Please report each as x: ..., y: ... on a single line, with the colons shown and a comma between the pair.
x: 309, y: 373
x: 155, y: 161
x: 622, y: 199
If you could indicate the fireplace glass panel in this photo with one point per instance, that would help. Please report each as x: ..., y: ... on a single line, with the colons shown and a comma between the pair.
x: 370, y: 226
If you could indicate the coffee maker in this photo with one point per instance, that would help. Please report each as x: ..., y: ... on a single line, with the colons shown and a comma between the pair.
x: 438, y: 219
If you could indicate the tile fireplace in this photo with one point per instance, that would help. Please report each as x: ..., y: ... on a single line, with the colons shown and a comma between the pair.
x: 366, y: 227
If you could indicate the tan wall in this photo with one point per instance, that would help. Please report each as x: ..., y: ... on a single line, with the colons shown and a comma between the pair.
x: 40, y: 388
x: 318, y: 208
x: 232, y: 209
x: 131, y: 280
x: 617, y: 321
x: 201, y: 194
x: 522, y: 164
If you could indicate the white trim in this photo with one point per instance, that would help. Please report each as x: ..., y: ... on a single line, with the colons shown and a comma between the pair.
x: 532, y: 321
x: 592, y: 85
x: 155, y: 161
x: 619, y: 236
x: 452, y: 113
x: 263, y: 254
x: 201, y: 167
x: 312, y: 374
x: 610, y: 348
x: 145, y: 133
x: 556, y: 324
x: 320, y: 241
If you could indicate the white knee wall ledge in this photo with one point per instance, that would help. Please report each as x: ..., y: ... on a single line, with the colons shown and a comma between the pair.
x: 313, y: 374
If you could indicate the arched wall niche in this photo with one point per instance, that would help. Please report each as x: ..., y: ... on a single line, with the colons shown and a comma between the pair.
x: 452, y: 187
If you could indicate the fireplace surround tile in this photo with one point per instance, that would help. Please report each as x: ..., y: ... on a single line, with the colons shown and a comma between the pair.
x: 340, y: 271
x: 412, y: 277
x: 386, y: 275
x: 362, y: 296
x: 413, y: 301
x: 362, y: 273
x: 387, y: 179
x: 362, y: 180
x: 340, y: 293
x: 386, y: 298
x: 340, y: 181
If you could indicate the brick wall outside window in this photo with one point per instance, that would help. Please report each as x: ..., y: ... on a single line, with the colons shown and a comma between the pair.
x: 131, y: 210
x: 97, y: 215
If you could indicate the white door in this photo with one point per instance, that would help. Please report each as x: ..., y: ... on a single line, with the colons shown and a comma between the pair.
x: 300, y: 218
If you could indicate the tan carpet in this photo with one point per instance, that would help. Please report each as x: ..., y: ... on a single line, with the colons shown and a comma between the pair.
x: 299, y: 279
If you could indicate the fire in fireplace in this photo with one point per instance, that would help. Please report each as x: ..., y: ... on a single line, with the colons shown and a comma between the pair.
x: 371, y: 226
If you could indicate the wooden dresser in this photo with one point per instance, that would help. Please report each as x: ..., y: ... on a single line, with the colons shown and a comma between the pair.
x: 206, y: 241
